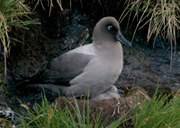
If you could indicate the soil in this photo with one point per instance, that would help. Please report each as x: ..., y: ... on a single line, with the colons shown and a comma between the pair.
x: 144, y: 66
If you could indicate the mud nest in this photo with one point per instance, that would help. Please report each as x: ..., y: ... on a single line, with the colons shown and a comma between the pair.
x: 111, y: 109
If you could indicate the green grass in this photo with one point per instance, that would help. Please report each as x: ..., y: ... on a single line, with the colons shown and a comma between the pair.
x: 154, y: 113
x: 13, y: 13
x: 49, y: 116
x: 52, y: 116
x: 159, y: 113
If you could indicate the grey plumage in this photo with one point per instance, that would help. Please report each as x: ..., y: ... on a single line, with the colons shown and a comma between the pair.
x: 94, y: 67
x: 111, y: 92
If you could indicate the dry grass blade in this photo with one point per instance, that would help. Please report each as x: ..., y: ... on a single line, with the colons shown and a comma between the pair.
x: 10, y: 13
x: 50, y: 4
x: 60, y: 5
x: 163, y: 18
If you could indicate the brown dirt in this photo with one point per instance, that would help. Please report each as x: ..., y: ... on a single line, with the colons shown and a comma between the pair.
x: 111, y: 109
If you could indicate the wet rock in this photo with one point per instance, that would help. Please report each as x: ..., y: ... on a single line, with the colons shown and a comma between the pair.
x: 5, y: 112
x: 76, y: 33
x: 147, y: 67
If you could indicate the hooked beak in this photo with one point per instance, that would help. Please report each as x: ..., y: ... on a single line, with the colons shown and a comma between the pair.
x: 120, y: 91
x: 123, y: 40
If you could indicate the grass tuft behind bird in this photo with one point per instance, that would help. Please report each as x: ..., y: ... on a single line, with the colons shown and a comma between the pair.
x: 13, y: 13
x: 161, y: 16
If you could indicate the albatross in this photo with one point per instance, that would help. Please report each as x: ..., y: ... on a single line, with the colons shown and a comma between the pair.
x: 91, y: 68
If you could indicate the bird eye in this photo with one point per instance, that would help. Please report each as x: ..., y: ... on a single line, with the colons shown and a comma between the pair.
x: 113, y: 89
x: 110, y: 27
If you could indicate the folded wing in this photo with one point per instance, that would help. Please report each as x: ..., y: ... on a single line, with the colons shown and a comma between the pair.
x: 62, y: 69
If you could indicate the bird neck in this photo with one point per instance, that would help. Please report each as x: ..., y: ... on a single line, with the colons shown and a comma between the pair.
x: 110, y: 51
x: 108, y: 47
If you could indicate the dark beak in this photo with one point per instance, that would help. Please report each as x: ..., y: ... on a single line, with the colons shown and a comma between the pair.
x: 123, y: 40
x: 120, y: 91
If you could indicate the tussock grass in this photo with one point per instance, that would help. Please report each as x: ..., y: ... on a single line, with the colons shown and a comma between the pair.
x: 46, y: 115
x: 52, y: 116
x: 159, y: 113
x: 13, y: 13
x: 161, y: 16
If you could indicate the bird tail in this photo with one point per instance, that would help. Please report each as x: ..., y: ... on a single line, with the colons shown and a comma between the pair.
x: 20, y: 81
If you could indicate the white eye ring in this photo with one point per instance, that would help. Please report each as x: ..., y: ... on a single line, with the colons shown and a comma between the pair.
x: 110, y: 27
x: 113, y: 89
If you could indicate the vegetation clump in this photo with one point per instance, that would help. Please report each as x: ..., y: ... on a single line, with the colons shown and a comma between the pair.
x: 13, y: 13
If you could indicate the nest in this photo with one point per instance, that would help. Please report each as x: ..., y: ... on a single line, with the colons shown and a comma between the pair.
x: 110, y: 109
